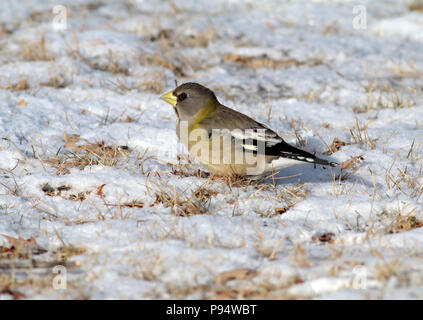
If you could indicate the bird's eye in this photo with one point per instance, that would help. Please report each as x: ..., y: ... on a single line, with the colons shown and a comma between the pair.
x: 182, y: 96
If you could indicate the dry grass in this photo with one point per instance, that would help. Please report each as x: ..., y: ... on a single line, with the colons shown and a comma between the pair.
x: 335, y: 146
x: 6, y: 284
x: 352, y: 163
x: 282, y: 210
x: 290, y: 195
x: 360, y: 136
x: 236, y: 274
x: 416, y: 5
x: 339, y: 187
x: 324, y: 237
x: 266, y: 249
x: 152, y: 81
x: 111, y: 63
x: 404, y: 223
x: 381, y: 95
x: 332, y: 28
x: 181, y: 204
x: 401, y: 219
x: 415, y: 152
x: 409, y: 70
x: 22, y: 84
x: 234, y: 181
x: 5, y: 30
x: 184, y: 171
x: 391, y: 265
x: 23, y: 275
x: 169, y: 56
x: 57, y: 80
x: 148, y: 267
x: 88, y: 154
x: 57, y: 192
x: 403, y: 179
x: 299, y: 256
x: 49, y: 190
x: 199, y: 39
x: 237, y: 284
x: 183, y: 168
x: 264, y: 61
x: 21, y: 268
x: 295, y: 124
x: 20, y: 248
x: 198, y: 199
x: 35, y: 50
x: 132, y: 204
x: 67, y: 251
x: 175, y: 64
x: 316, y: 95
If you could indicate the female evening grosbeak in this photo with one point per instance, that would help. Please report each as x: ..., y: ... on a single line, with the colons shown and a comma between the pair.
x: 227, y: 142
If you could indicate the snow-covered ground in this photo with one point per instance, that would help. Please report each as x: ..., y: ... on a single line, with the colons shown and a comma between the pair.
x: 89, y: 171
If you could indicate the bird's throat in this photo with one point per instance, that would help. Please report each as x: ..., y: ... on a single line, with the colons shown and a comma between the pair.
x: 208, y: 108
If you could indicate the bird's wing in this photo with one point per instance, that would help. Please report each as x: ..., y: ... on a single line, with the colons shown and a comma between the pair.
x: 255, y: 137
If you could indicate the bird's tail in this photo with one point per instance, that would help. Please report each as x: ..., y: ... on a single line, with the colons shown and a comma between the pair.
x: 324, y: 162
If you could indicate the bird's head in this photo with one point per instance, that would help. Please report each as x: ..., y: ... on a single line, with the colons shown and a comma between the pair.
x: 189, y: 99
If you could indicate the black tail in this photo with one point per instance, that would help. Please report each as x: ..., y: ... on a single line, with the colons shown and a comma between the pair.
x: 287, y: 151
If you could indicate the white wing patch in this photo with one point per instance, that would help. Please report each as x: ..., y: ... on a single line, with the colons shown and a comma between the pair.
x: 252, y: 137
x: 250, y: 147
x: 266, y: 135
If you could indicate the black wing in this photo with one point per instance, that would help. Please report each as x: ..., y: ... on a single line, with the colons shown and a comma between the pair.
x: 285, y: 150
x: 265, y: 141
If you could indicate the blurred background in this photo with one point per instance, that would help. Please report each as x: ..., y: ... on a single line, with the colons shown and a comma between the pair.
x: 270, y: 49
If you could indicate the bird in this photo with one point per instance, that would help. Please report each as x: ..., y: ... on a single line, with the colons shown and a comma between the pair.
x: 227, y: 142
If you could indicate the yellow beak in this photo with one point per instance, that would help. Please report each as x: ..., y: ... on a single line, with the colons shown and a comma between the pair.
x: 170, y: 98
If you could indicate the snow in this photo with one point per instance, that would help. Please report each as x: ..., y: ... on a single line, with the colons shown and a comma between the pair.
x: 101, y: 79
